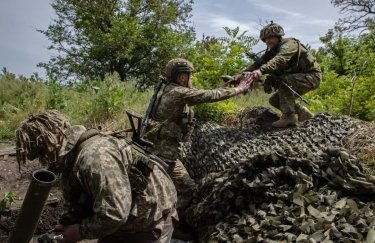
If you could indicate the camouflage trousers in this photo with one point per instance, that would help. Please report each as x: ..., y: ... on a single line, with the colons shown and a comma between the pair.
x: 161, y: 233
x: 167, y: 150
x: 185, y: 186
x: 284, y: 99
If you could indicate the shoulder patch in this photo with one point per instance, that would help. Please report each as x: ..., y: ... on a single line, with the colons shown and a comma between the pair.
x: 284, y: 46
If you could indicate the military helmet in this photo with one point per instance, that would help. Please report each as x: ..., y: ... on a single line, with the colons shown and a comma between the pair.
x: 40, y: 136
x: 271, y: 29
x: 176, y: 66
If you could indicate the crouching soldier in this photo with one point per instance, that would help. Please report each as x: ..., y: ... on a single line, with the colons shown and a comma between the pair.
x: 113, y: 191
x: 290, y: 65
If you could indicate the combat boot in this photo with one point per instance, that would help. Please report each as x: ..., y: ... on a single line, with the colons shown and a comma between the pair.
x: 304, y: 114
x: 286, y: 120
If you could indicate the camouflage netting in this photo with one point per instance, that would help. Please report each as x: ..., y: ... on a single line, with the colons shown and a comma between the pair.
x: 273, y: 197
x: 215, y: 147
x: 259, y: 184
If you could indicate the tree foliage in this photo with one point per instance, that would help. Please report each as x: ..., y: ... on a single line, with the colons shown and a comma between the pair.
x: 213, y: 57
x: 357, y: 14
x: 134, y: 38
x: 348, y: 70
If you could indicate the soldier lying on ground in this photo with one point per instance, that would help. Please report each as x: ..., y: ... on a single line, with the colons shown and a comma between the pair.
x: 289, y: 63
x: 112, y: 190
x: 172, y: 120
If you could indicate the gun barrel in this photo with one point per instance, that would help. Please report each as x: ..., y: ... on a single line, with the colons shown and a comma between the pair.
x: 32, y: 206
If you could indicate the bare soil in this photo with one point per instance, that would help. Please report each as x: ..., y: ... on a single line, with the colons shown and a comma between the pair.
x: 11, y: 179
x: 253, y: 118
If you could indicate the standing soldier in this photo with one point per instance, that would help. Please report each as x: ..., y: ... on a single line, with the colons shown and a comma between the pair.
x: 289, y: 65
x: 172, y: 120
x: 112, y: 190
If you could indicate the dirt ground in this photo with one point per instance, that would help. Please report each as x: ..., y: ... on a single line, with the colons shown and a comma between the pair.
x: 11, y: 179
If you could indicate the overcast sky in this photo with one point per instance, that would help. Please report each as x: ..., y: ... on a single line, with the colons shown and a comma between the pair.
x: 22, y: 47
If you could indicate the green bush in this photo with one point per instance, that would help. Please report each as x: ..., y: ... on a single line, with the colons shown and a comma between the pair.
x: 215, y: 111
x: 56, y: 99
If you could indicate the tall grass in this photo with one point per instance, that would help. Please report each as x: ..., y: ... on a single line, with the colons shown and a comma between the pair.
x: 94, y: 103
x: 253, y: 98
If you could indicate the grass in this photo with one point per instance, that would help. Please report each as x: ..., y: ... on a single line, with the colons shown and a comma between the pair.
x: 103, y: 106
x: 254, y: 98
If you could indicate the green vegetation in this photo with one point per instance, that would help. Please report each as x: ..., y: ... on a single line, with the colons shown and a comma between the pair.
x: 348, y: 68
x: 95, y: 103
x: 133, y: 38
x: 109, y: 52
x: 9, y: 198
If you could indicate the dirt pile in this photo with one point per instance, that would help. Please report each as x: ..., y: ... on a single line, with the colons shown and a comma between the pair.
x: 214, y: 147
x: 278, y: 197
x: 253, y: 118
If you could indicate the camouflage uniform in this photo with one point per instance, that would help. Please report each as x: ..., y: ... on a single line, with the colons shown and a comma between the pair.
x: 291, y: 63
x: 98, y: 192
x: 173, y: 123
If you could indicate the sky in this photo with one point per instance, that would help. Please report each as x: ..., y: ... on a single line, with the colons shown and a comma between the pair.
x: 22, y: 47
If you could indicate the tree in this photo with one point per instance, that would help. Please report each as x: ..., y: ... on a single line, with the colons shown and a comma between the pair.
x: 358, y: 14
x: 134, y: 38
x: 348, y: 65
x: 339, y: 50
x: 213, y: 57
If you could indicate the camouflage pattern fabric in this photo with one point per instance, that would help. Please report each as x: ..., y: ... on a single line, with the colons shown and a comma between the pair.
x: 290, y: 56
x: 291, y: 63
x: 98, y: 193
x: 186, y: 186
x: 173, y: 123
x: 302, y: 83
x: 161, y: 233
x: 173, y: 115
x: 40, y: 137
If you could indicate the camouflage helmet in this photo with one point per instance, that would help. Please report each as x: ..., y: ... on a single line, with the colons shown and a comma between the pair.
x: 176, y: 66
x: 41, y: 136
x: 270, y: 30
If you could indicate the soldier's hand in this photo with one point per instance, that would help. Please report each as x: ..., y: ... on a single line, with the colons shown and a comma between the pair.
x: 247, y: 74
x: 256, y: 73
x: 245, y: 84
x: 70, y: 233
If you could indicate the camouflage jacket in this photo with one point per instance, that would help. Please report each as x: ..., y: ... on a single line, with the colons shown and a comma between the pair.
x: 97, y: 190
x: 173, y: 116
x: 290, y: 56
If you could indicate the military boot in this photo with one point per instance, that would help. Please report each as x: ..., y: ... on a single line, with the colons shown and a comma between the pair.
x: 286, y: 120
x: 304, y: 114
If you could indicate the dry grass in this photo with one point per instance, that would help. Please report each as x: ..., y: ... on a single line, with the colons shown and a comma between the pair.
x: 362, y: 143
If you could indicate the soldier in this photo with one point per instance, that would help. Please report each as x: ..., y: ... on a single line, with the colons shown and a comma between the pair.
x: 172, y: 120
x: 112, y: 190
x: 288, y: 63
